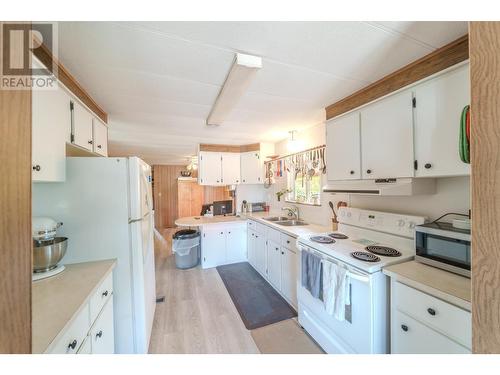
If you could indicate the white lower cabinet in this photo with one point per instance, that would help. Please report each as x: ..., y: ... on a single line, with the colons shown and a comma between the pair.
x: 88, y: 334
x: 421, y: 323
x: 274, y: 263
x: 102, y: 332
x: 223, y: 244
x: 274, y: 255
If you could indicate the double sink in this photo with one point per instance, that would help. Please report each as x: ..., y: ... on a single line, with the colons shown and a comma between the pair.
x: 285, y: 221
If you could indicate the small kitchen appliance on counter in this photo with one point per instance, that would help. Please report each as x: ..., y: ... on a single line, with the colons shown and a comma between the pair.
x: 48, y: 250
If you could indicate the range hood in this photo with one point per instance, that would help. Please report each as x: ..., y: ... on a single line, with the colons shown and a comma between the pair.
x: 383, y: 186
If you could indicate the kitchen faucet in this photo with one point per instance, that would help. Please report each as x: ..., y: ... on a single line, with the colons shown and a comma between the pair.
x: 293, y: 211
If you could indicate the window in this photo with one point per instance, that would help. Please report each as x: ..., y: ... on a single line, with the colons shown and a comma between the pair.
x: 304, y: 189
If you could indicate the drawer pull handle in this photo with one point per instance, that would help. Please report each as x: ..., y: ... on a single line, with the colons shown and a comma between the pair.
x: 72, y: 345
x: 98, y: 334
x: 404, y: 327
x: 431, y: 311
x: 105, y: 294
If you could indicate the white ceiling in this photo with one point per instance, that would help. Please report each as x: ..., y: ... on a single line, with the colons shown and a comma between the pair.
x: 158, y: 80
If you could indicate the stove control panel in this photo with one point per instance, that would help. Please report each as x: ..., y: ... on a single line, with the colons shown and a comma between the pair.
x: 402, y: 225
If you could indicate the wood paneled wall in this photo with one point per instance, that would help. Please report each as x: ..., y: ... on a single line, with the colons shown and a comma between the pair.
x: 485, y: 178
x: 15, y: 218
x: 165, y: 194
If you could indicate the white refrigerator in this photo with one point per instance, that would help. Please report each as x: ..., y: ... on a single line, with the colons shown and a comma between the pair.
x: 105, y: 205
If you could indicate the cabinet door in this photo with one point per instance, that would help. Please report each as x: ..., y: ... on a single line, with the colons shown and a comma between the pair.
x: 251, y: 168
x: 439, y: 105
x: 274, y: 264
x: 213, y: 247
x: 230, y: 168
x: 343, y: 152
x: 412, y: 337
x: 387, y: 137
x: 209, y: 168
x: 236, y: 243
x: 51, y: 123
x: 289, y: 272
x: 251, y: 247
x: 102, y: 332
x: 100, y: 142
x: 82, y: 126
x: 260, y: 253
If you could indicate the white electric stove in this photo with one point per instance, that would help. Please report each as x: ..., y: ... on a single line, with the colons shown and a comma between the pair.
x: 365, y: 242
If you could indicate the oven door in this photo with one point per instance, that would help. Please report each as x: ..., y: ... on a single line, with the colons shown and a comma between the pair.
x: 364, y: 330
x: 445, y: 252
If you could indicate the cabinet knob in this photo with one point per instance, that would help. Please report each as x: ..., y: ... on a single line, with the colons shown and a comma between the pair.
x: 217, y: 180
x: 404, y: 327
x: 277, y: 249
x: 90, y: 142
x: 221, y: 232
x: 431, y: 311
x: 229, y: 232
x: 237, y: 181
x: 351, y: 172
x: 105, y: 293
x: 287, y: 241
x: 282, y: 253
x: 368, y: 171
x: 98, y: 146
x: 72, y: 345
x: 428, y: 166
x: 37, y: 168
x: 98, y: 334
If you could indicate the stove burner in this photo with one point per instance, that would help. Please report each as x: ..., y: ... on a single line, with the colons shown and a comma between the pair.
x: 383, y: 250
x: 338, y: 236
x: 322, y: 239
x: 365, y: 257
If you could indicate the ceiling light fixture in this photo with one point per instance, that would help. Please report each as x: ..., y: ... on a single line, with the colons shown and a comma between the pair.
x: 237, y: 81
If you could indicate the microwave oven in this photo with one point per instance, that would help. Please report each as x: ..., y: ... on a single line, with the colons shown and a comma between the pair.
x: 443, y: 246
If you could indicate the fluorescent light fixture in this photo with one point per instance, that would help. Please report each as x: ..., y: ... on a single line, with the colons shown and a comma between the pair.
x: 237, y: 81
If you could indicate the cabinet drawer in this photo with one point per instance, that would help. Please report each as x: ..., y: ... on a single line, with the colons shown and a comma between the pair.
x: 258, y: 227
x: 288, y: 241
x: 101, y: 295
x: 102, y: 332
x: 273, y: 235
x: 86, y: 347
x: 74, y: 335
x: 442, y: 316
x: 412, y: 337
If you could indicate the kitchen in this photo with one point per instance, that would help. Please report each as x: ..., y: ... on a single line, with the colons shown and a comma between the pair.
x: 242, y: 198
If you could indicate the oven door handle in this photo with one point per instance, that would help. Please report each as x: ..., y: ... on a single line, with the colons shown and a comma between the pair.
x: 357, y: 276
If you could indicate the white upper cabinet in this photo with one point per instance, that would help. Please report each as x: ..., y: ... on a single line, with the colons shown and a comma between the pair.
x: 230, y: 168
x: 209, y: 168
x: 51, y: 125
x: 343, y: 154
x: 251, y: 168
x: 387, y: 137
x: 100, y: 132
x: 439, y: 105
x: 82, y: 126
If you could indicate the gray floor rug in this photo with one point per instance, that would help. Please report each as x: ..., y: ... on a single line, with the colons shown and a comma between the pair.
x: 256, y: 301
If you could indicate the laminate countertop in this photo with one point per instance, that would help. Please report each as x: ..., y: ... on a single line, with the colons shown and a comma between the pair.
x: 445, y: 285
x: 295, y: 231
x: 58, y: 299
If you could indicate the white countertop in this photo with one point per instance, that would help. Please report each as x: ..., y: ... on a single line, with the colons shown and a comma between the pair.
x: 304, y: 230
x: 58, y: 299
x: 445, y: 285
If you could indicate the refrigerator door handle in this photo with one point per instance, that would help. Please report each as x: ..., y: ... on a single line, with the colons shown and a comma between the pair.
x: 130, y: 221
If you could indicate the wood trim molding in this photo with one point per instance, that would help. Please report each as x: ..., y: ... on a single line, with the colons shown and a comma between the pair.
x: 442, y: 58
x: 229, y: 148
x: 485, y: 180
x: 15, y: 217
x: 46, y: 57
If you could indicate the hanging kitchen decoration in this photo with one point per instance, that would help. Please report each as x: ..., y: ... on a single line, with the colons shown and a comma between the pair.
x: 305, y: 164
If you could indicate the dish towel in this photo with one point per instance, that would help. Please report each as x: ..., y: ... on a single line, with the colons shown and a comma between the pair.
x: 311, y: 273
x: 336, y: 293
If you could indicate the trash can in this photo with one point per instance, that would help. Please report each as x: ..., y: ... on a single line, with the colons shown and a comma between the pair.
x: 186, y: 247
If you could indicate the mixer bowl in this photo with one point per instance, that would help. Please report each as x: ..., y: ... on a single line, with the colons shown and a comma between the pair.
x: 48, y: 253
